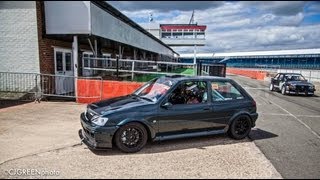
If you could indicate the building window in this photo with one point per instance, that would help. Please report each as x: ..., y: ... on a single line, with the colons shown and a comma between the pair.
x: 68, y: 62
x: 59, y: 61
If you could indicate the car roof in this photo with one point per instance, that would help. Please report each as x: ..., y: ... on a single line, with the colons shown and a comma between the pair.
x: 184, y: 77
x: 291, y: 73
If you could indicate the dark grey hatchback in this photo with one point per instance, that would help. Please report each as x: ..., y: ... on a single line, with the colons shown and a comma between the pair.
x: 169, y: 107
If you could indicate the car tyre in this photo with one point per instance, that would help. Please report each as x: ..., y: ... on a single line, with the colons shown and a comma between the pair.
x: 131, y: 137
x: 271, y: 88
x: 283, y: 90
x: 240, y: 127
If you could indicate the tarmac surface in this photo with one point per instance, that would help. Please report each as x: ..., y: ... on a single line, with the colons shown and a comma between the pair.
x: 288, y: 129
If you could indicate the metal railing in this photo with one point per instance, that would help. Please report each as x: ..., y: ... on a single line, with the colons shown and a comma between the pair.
x: 18, y: 82
x: 279, y: 66
x: 64, y: 86
x: 49, y: 85
x: 131, y: 67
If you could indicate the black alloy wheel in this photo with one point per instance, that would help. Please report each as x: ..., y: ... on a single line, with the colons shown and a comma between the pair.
x: 131, y: 137
x: 240, y: 127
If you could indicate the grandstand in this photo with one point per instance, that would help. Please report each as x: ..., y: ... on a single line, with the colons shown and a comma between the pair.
x: 282, y: 59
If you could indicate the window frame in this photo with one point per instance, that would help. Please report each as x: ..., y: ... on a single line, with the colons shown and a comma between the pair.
x: 236, y: 86
x: 166, y: 97
x: 63, y: 51
x: 65, y: 59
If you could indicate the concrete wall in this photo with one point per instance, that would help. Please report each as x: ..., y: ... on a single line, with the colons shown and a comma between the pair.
x: 254, y: 74
x: 18, y: 37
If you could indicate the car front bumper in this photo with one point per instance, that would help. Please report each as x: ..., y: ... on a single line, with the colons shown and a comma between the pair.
x: 96, y: 137
x: 292, y: 91
x: 300, y: 89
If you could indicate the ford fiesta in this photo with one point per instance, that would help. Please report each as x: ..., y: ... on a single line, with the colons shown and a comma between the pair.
x: 169, y: 107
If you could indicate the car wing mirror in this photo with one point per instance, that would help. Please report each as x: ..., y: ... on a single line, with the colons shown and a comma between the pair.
x: 166, y: 105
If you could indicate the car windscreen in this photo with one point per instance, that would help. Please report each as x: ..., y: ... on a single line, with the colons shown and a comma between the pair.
x: 155, y: 89
x: 294, y: 77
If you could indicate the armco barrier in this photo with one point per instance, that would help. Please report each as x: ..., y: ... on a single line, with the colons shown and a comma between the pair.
x: 255, y: 74
x: 108, y: 90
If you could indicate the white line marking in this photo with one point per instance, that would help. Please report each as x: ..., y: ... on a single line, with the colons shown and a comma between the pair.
x: 275, y: 114
x: 312, y: 116
x: 316, y: 134
x: 256, y: 88
x: 279, y: 114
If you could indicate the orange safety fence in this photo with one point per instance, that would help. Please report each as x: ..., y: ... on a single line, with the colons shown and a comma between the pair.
x: 90, y: 90
x: 255, y: 74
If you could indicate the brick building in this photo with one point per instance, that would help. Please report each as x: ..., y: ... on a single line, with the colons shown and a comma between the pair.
x: 52, y: 37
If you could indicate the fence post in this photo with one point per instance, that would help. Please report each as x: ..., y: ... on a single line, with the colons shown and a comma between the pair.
x: 36, y: 91
x: 117, y: 65
x: 310, y: 77
x: 101, y: 89
x: 132, y: 69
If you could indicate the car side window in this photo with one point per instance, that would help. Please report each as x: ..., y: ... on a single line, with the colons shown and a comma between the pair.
x: 281, y: 77
x: 189, y: 92
x: 224, y: 91
x: 277, y: 76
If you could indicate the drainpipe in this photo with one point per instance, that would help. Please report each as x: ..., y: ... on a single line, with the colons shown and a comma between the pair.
x: 75, y: 49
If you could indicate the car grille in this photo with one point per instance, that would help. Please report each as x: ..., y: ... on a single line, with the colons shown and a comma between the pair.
x: 88, y: 132
x: 302, y: 88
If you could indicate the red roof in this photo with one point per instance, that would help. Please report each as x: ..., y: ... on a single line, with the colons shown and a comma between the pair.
x: 184, y: 27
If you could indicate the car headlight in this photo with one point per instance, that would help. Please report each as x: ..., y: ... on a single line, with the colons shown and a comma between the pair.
x: 100, y: 121
x: 292, y: 86
x: 311, y: 87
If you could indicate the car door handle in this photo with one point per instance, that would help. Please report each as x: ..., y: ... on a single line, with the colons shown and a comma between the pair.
x: 206, y: 109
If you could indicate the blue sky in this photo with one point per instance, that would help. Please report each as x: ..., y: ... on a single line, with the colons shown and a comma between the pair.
x: 237, y: 25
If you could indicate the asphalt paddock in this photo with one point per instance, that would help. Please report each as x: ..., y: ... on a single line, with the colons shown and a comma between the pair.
x: 40, y: 140
x: 289, y: 129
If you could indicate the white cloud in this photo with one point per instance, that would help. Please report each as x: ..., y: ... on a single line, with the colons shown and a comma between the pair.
x: 246, y: 26
x: 165, y: 6
x: 266, y: 38
x: 278, y: 7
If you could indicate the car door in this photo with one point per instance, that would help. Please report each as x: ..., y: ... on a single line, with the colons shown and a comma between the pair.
x: 181, y: 115
x: 227, y: 100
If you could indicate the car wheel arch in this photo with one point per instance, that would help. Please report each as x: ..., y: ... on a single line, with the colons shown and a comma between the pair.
x: 151, y: 132
x: 241, y: 113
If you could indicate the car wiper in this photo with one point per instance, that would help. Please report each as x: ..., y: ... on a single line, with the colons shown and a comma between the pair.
x: 148, y: 99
